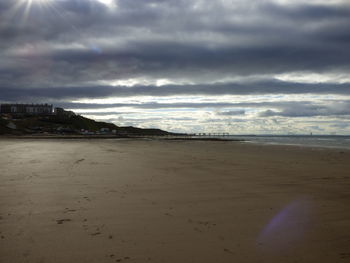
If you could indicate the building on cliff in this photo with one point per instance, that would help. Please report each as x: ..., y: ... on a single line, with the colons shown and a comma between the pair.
x: 62, y: 112
x: 26, y: 109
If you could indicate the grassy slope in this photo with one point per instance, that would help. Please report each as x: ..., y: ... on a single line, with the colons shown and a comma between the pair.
x: 78, y: 123
x: 51, y: 123
x: 3, y: 128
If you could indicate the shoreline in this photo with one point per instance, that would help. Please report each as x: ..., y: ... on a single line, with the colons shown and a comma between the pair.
x: 171, y: 138
x: 91, y: 137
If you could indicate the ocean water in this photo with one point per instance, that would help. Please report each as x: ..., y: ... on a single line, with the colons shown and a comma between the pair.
x: 324, y: 141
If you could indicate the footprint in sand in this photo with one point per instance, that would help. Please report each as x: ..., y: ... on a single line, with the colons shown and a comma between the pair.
x: 203, y: 223
x: 96, y: 231
x: 67, y: 210
x: 121, y: 259
x: 61, y: 221
x: 344, y: 255
x: 228, y: 251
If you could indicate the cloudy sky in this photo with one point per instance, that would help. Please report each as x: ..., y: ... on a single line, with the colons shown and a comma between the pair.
x: 237, y: 66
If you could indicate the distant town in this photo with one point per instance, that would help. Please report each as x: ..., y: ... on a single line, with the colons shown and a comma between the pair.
x: 33, y: 109
x: 25, y: 119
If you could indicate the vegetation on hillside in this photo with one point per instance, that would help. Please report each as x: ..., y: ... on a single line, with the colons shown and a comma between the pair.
x: 64, y: 124
x: 3, y: 128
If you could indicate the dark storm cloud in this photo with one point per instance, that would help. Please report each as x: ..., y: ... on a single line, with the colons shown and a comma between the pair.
x: 216, y: 89
x: 178, y: 105
x: 169, y: 60
x: 192, y: 105
x: 168, y: 39
x: 308, y: 12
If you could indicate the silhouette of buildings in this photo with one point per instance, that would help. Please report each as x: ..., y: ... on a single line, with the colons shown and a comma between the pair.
x: 26, y: 109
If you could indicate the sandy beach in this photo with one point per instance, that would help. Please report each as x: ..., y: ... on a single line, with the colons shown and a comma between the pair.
x: 172, y: 201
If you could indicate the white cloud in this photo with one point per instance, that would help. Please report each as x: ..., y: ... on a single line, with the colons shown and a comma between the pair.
x: 314, y: 77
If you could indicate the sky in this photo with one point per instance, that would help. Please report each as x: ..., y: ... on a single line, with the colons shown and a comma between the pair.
x: 234, y: 66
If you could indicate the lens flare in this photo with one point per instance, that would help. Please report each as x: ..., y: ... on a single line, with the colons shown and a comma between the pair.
x: 287, y: 227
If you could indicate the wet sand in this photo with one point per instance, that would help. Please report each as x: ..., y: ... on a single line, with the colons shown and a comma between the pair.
x: 172, y: 201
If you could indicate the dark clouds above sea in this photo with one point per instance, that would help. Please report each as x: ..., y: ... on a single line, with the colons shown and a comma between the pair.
x: 233, y: 56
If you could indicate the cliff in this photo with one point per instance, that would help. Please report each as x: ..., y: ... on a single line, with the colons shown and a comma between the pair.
x: 74, y: 124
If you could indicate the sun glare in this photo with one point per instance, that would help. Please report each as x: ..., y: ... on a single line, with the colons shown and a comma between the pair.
x: 40, y: 2
x: 29, y: 3
x: 24, y: 8
x: 109, y: 3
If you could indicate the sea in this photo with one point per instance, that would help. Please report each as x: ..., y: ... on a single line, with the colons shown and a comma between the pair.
x: 323, y: 141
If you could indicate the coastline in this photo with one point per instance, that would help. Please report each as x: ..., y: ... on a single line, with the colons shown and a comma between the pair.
x: 172, y: 201
x: 135, y: 137
x: 234, y: 138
